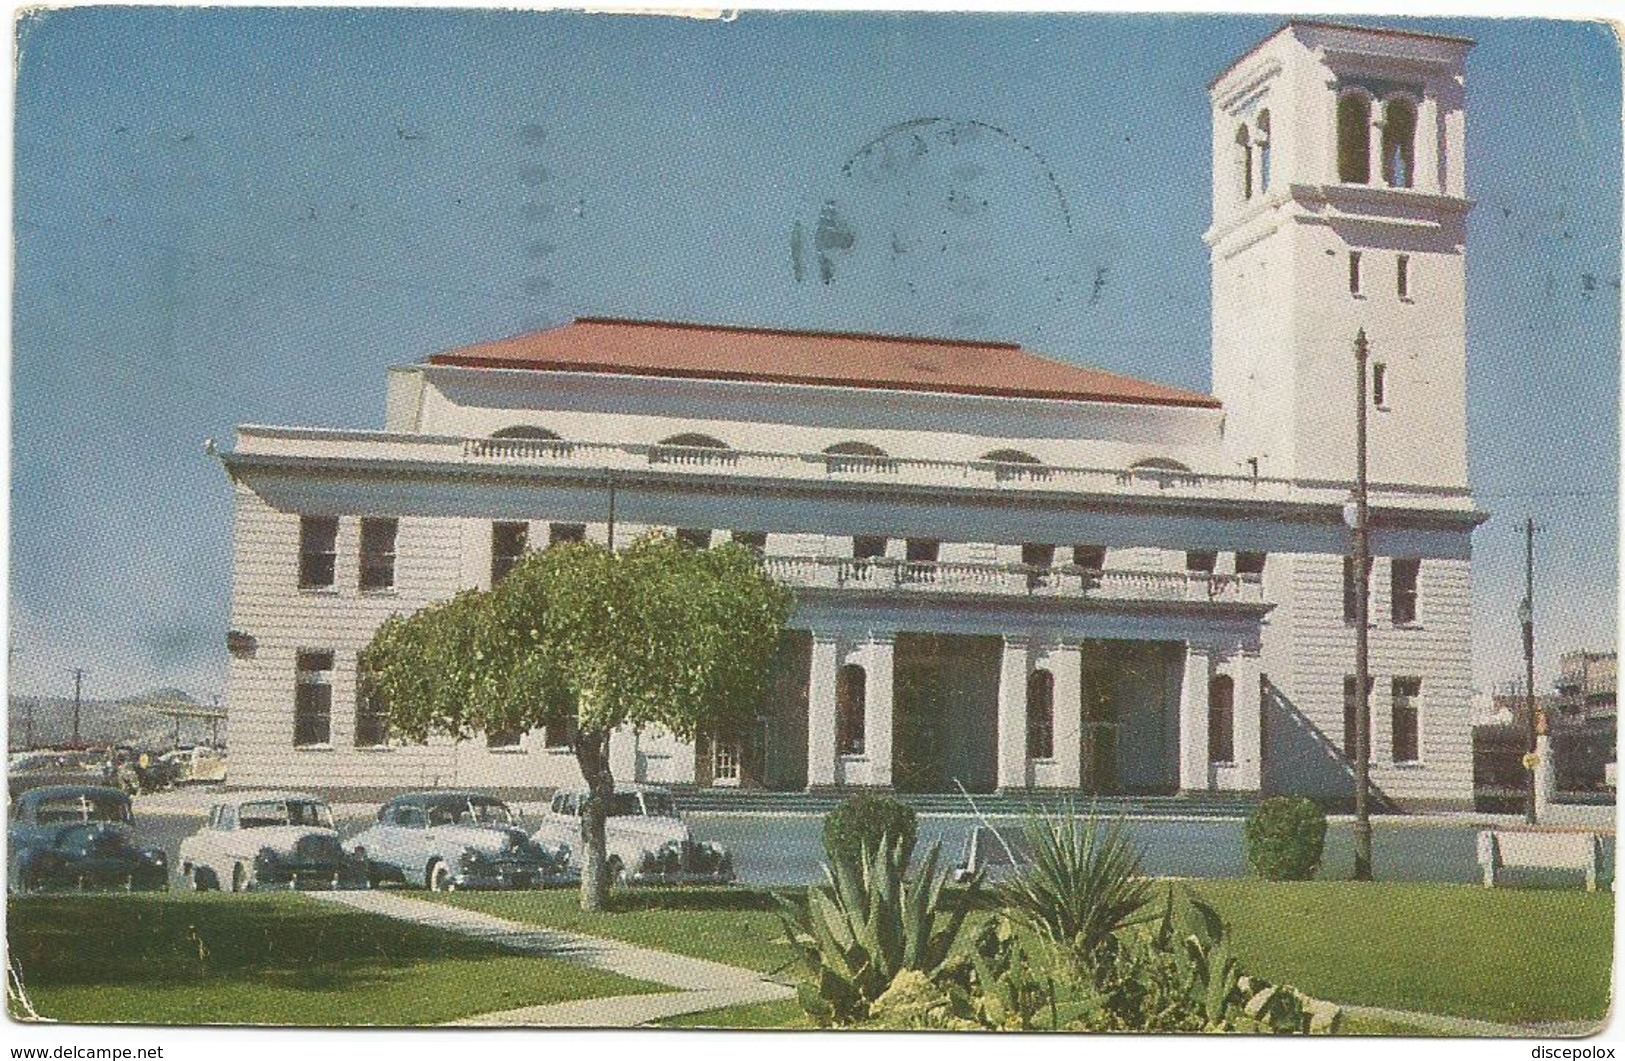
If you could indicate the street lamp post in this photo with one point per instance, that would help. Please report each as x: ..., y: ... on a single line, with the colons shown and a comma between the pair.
x: 1526, y: 619
x: 1362, y: 645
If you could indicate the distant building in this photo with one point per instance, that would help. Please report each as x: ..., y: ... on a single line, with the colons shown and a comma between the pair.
x: 1012, y: 573
x: 1583, y: 724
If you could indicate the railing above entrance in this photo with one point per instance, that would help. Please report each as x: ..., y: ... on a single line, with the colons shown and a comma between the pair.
x: 904, y: 576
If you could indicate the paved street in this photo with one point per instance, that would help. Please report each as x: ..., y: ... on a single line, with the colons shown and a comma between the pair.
x: 785, y: 850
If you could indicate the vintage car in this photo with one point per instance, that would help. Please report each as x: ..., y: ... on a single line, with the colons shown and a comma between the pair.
x: 457, y: 840
x: 71, y: 766
x: 645, y: 838
x: 79, y: 836
x: 269, y: 840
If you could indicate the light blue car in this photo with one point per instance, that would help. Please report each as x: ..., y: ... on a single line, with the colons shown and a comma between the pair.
x: 447, y: 841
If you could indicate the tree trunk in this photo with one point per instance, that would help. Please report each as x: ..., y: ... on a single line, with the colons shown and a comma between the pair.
x: 592, y: 754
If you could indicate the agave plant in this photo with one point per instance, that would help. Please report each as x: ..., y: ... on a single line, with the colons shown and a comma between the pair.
x: 1083, y: 885
x: 866, y: 924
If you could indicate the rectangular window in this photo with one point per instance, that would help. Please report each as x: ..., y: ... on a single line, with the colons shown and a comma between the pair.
x: 1033, y: 555
x: 565, y: 533
x: 923, y: 550
x: 755, y: 541
x: 1351, y: 713
x: 1402, y: 276
x: 1221, y: 719
x: 508, y: 542
x: 1354, y: 272
x: 866, y: 547
x: 1089, y: 557
x: 318, y: 548
x: 1407, y: 746
x: 922, y: 559
x: 1201, y: 561
x: 371, y: 720
x: 1250, y: 564
x: 1404, y: 576
x: 1379, y: 384
x: 1351, y: 589
x: 378, y: 553
x: 695, y: 537
x: 313, y: 699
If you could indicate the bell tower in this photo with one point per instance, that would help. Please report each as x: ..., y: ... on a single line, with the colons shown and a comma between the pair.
x: 1339, y: 203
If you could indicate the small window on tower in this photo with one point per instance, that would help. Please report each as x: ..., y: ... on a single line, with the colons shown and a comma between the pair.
x: 1354, y: 272
x: 1263, y: 142
x: 1244, y: 162
x: 1379, y: 385
x: 1403, y: 276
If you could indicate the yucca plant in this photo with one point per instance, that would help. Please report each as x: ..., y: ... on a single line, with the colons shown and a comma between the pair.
x: 866, y: 924
x: 1083, y: 885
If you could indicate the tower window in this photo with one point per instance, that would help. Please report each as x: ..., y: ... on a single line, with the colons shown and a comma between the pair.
x: 1244, y: 160
x: 1351, y: 588
x: 1089, y: 557
x: 313, y: 699
x: 850, y: 703
x: 318, y: 537
x: 1041, y: 715
x: 1379, y: 385
x: 1402, y: 276
x: 1354, y: 272
x: 1263, y: 141
x: 1354, y: 139
x: 1221, y: 719
x: 1403, y: 604
x: 1399, y: 143
x: 1201, y: 561
x: 378, y: 553
x: 1407, y: 742
x: 1250, y: 564
x: 508, y: 541
x: 1351, y: 714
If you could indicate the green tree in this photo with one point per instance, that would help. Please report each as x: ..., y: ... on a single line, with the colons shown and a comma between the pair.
x: 660, y: 634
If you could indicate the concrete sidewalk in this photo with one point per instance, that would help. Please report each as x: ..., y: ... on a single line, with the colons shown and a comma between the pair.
x: 701, y: 984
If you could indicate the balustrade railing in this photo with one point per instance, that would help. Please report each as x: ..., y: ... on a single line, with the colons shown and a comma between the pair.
x: 908, y: 576
x: 917, y: 471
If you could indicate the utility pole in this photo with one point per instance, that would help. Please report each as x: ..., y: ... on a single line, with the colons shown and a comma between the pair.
x: 1526, y: 618
x: 78, y: 680
x: 1362, y: 644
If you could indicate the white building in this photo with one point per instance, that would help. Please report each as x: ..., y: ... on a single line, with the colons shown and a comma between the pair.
x: 1011, y: 573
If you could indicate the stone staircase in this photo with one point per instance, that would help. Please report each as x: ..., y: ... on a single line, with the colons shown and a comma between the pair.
x: 694, y: 800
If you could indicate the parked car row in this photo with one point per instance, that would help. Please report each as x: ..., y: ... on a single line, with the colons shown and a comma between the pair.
x: 81, y: 836
x: 121, y: 767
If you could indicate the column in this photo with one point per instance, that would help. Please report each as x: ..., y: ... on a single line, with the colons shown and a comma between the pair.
x: 821, y: 712
x: 877, y: 708
x: 1066, y: 664
x: 1427, y: 177
x: 1193, y: 762
x: 1245, y: 671
x: 1374, y: 146
x: 1013, y: 668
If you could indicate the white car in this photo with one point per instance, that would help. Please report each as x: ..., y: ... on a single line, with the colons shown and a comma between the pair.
x: 269, y: 840
x: 646, y: 840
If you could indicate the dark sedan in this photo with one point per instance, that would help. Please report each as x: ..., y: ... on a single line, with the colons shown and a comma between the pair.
x: 79, y: 837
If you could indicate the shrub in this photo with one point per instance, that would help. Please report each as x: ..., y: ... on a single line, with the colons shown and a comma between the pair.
x: 861, y: 822
x: 1285, y: 839
x: 1083, y: 885
x: 866, y: 925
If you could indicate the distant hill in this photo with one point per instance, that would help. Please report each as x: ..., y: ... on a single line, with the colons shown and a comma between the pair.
x: 128, y: 721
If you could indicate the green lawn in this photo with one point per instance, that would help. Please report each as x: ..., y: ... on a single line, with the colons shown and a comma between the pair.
x: 272, y: 959
x: 1509, y: 955
x: 735, y: 926
x: 1504, y: 955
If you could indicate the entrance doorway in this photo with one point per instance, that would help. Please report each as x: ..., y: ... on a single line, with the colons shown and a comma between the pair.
x: 945, y: 713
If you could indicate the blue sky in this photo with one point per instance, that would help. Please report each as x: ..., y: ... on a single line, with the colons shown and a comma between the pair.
x: 243, y: 216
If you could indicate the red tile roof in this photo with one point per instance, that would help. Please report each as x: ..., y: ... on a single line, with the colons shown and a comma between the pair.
x: 699, y: 351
